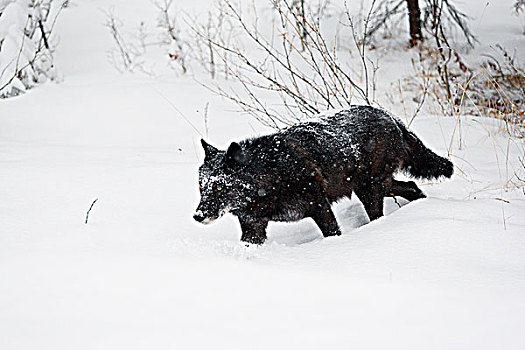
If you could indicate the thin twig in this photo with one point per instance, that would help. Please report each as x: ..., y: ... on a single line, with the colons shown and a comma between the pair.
x: 89, y: 210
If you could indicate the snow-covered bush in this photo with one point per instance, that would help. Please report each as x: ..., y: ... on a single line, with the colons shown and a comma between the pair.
x: 519, y: 8
x: 135, y: 50
x: 441, y: 17
x: 292, y: 58
x: 493, y: 88
x: 497, y: 89
x: 26, y: 43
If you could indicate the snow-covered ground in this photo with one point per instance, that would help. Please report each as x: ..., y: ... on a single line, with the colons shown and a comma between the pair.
x: 447, y: 272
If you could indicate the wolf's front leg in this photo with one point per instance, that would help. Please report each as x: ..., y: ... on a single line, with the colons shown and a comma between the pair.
x: 253, y: 230
x: 371, y: 195
x: 325, y: 219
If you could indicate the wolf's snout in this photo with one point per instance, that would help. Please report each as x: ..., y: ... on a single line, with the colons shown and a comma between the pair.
x: 198, y: 217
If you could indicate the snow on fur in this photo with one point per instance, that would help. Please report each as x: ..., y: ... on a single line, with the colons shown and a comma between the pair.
x: 300, y: 171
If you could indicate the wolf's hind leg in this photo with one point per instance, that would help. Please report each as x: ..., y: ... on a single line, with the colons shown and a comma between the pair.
x: 325, y: 219
x: 253, y: 230
x: 407, y: 190
x: 372, y: 199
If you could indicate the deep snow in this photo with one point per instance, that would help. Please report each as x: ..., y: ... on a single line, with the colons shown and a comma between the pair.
x: 439, y: 273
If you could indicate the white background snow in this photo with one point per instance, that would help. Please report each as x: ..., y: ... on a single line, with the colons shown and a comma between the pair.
x: 447, y: 272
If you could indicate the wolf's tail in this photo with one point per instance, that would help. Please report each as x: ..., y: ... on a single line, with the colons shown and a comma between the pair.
x: 420, y: 161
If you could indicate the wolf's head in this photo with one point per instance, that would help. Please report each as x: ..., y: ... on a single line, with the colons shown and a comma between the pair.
x: 224, y: 185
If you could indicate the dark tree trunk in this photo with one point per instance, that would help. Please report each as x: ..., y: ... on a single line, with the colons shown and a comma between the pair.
x: 414, y: 18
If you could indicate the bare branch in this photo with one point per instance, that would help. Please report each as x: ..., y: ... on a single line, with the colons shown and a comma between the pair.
x: 89, y: 210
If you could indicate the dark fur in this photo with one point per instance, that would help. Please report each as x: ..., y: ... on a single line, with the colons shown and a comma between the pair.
x: 300, y: 171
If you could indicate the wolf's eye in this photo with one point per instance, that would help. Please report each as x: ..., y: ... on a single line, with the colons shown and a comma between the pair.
x: 219, y: 188
x: 201, y: 187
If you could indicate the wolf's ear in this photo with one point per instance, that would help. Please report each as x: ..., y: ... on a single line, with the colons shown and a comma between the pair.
x: 209, y: 150
x: 234, y: 154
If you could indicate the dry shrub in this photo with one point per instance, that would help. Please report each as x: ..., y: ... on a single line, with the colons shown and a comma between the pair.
x: 498, y: 90
x: 291, y: 60
x: 493, y: 89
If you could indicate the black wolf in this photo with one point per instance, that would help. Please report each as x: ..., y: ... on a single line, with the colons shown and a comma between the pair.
x: 300, y: 171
